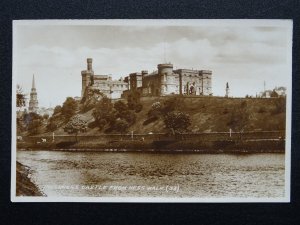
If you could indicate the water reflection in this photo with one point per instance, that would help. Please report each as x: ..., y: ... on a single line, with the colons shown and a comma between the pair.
x: 196, y: 175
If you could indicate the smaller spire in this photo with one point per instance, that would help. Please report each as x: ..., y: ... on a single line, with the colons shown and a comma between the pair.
x: 33, y: 82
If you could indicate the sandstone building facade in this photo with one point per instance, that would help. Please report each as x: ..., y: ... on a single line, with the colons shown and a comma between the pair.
x: 164, y: 81
x: 111, y: 88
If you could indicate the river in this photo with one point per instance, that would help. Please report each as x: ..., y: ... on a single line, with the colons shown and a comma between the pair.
x: 111, y: 174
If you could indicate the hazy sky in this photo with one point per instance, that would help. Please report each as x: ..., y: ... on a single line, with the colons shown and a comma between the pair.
x: 242, y: 54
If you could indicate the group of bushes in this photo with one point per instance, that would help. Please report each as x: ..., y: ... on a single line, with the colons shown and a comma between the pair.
x: 62, y: 114
x: 170, y: 111
x: 114, y: 117
x: 32, y: 122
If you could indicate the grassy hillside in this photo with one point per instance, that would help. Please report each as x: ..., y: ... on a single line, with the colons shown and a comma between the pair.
x: 208, y: 114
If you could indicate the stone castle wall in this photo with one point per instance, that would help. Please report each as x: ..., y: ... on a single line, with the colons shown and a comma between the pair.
x: 164, y: 81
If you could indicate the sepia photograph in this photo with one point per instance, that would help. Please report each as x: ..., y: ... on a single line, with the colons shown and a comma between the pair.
x: 151, y: 110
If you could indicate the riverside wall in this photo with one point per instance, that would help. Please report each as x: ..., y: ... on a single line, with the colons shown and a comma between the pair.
x: 212, y: 136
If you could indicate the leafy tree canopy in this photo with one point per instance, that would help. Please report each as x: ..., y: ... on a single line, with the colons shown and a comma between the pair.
x: 121, y: 125
x: 20, y: 97
x: 104, y: 112
x: 69, y: 107
x: 33, y: 122
x: 57, y: 109
x: 177, y: 121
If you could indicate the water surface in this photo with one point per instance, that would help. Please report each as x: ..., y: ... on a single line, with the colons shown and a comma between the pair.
x: 110, y: 174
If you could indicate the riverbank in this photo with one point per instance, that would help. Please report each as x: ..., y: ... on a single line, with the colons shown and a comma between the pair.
x: 174, y: 146
x: 24, y: 186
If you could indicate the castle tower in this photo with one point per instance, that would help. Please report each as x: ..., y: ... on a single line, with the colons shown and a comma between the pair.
x: 89, y: 64
x: 135, y: 81
x: 87, y: 76
x: 33, y: 102
x: 165, y: 70
x: 205, y: 76
x: 227, y: 90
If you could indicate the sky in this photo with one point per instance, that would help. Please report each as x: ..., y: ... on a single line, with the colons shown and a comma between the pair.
x: 244, y: 54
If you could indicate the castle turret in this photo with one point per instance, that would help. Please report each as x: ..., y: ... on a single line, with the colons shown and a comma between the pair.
x: 89, y: 64
x: 33, y: 102
x: 87, y: 76
x: 164, y: 70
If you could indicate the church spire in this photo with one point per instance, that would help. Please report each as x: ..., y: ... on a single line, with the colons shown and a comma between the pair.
x: 33, y: 102
x: 33, y: 83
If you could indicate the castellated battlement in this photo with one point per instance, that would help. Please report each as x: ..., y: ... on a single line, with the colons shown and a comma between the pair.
x: 144, y: 72
x: 205, y: 72
x: 163, y: 81
x: 111, y: 88
x: 164, y: 65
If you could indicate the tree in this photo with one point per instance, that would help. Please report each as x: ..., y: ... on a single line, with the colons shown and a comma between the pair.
x: 177, y: 121
x: 274, y: 94
x: 76, y: 125
x: 20, y: 97
x: 33, y: 122
x: 129, y: 116
x: 20, y: 102
x: 121, y: 125
x: 104, y: 112
x: 52, y: 125
x: 133, y: 101
x: 57, y: 110
x: 46, y: 116
x: 138, y: 107
x: 69, y: 108
x: 121, y: 107
x: 122, y: 112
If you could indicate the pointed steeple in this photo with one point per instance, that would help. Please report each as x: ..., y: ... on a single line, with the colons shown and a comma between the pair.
x: 33, y: 102
x: 33, y: 82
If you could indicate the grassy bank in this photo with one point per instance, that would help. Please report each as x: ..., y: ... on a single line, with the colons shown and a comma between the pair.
x: 207, y: 114
x: 24, y: 186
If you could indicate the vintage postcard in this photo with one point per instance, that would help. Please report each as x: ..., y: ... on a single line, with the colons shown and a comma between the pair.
x: 151, y: 110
